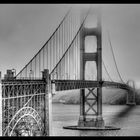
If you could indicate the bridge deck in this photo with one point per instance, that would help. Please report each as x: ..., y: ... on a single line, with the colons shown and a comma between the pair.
x: 79, y: 84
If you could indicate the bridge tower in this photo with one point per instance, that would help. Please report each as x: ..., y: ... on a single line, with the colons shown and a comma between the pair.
x: 95, y: 118
x: 131, y: 93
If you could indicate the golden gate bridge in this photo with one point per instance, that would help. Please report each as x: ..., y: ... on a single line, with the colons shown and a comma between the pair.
x: 60, y: 65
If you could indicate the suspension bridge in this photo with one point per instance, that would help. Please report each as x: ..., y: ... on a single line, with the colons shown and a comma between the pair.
x: 59, y: 65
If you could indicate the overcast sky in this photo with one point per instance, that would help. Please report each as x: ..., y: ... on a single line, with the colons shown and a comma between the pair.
x: 24, y: 28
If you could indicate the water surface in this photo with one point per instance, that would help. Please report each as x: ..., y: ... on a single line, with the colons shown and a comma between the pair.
x: 127, y: 118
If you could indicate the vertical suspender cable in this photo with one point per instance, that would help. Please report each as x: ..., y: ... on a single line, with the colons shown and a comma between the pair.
x: 47, y: 40
x: 50, y: 54
x: 43, y: 59
x: 35, y: 66
x: 67, y: 51
x: 39, y: 64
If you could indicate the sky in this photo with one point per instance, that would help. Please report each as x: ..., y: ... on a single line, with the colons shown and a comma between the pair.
x: 24, y: 28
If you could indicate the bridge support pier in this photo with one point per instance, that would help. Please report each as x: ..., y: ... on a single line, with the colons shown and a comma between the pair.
x: 91, y: 122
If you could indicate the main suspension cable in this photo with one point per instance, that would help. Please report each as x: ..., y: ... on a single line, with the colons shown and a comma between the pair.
x: 107, y: 71
x: 46, y: 41
x: 114, y: 58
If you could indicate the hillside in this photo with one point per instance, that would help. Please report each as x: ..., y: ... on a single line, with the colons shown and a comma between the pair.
x: 110, y: 96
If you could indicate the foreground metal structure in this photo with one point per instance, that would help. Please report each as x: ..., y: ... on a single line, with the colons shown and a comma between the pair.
x: 25, y: 107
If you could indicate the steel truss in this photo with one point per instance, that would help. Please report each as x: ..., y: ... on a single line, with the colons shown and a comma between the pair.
x: 23, y: 101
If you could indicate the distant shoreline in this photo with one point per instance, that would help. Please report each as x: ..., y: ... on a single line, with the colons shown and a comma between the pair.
x: 109, y: 97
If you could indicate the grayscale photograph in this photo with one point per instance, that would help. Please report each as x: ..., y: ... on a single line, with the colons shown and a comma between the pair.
x: 69, y: 70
